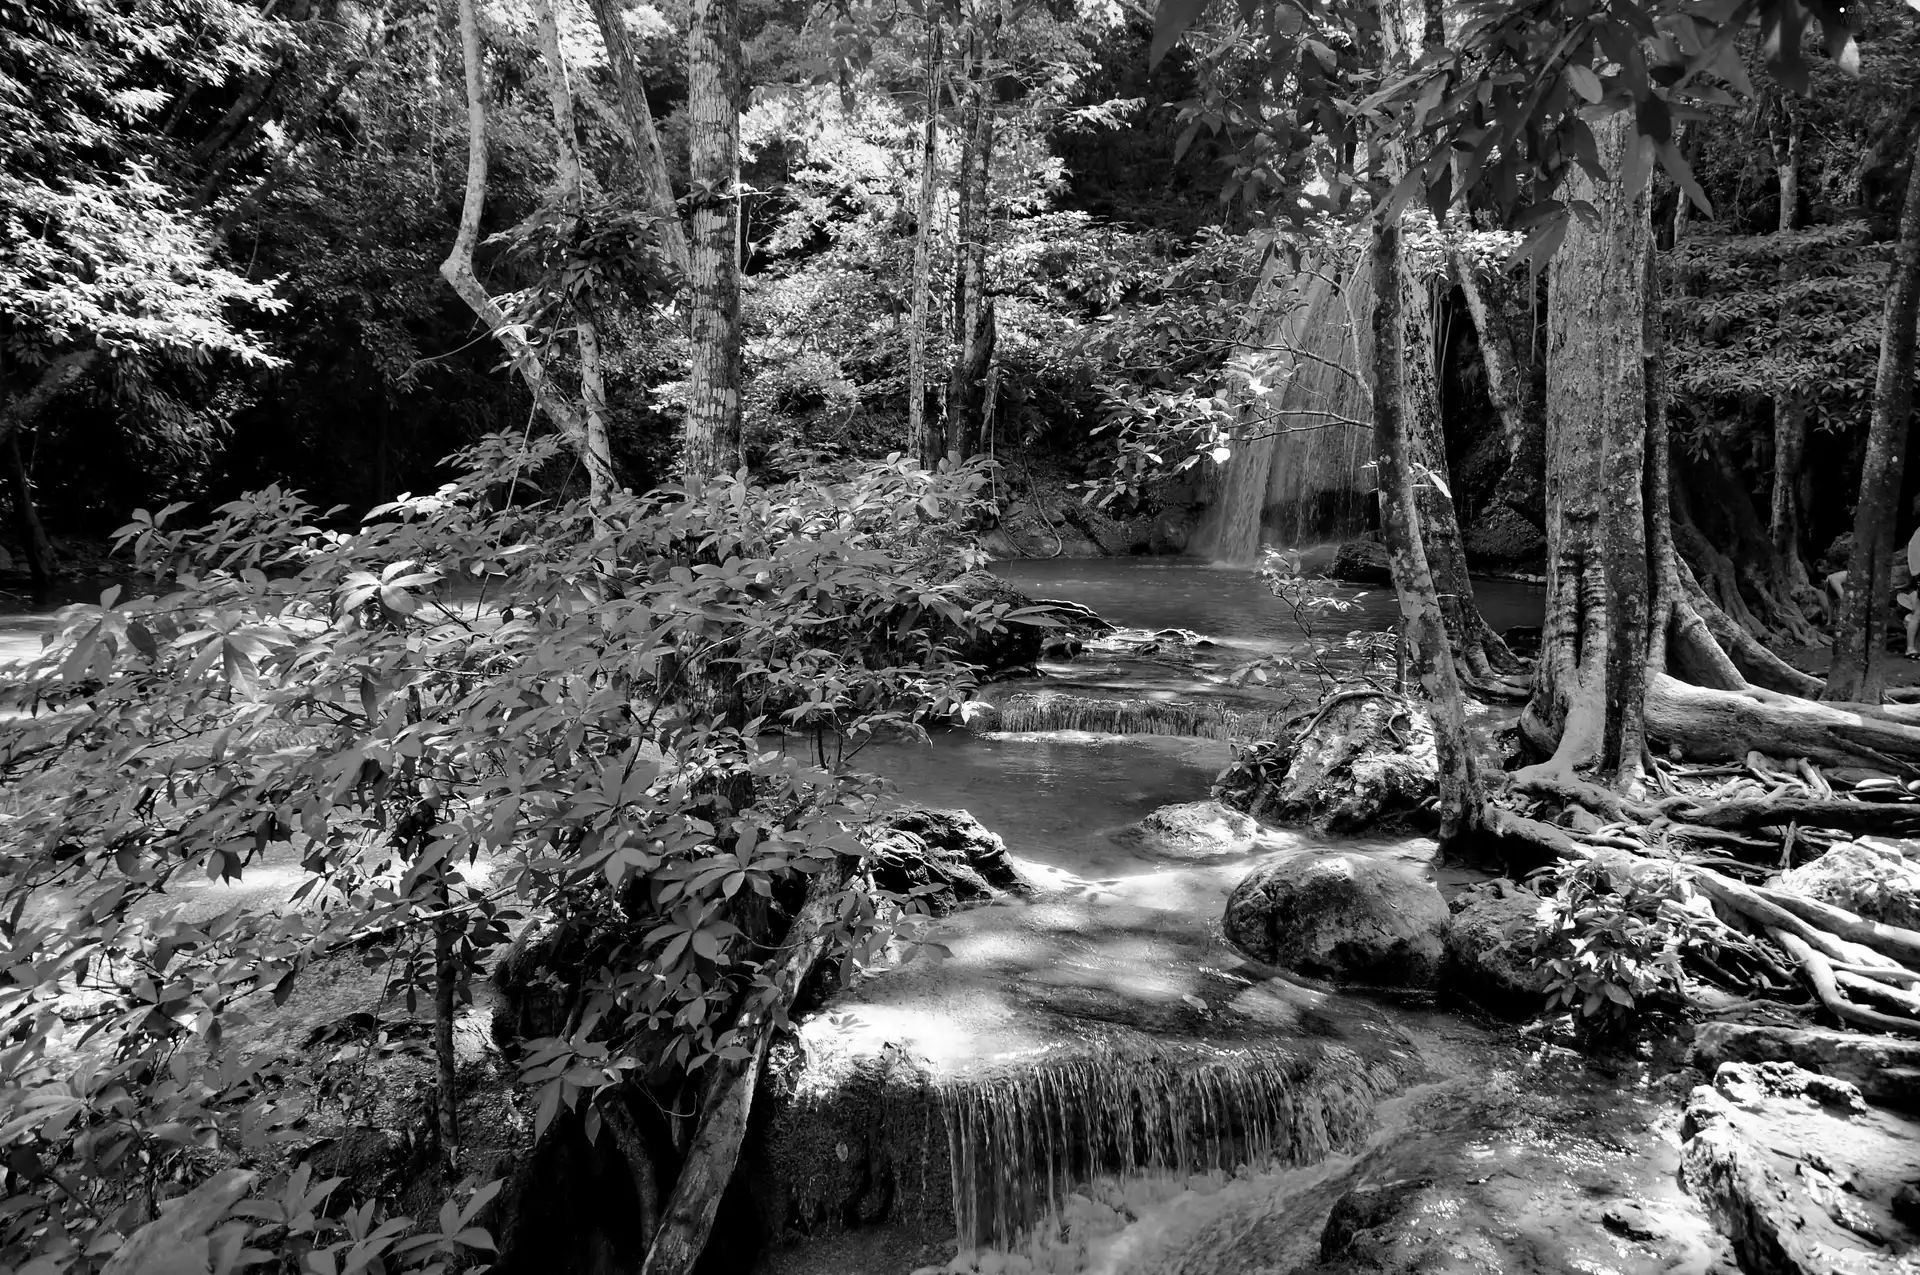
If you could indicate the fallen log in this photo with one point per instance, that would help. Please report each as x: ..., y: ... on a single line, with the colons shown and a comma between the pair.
x: 1845, y: 816
x: 1725, y: 725
x: 688, y: 1219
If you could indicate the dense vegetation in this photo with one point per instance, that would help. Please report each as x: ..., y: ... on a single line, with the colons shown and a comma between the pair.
x: 525, y: 409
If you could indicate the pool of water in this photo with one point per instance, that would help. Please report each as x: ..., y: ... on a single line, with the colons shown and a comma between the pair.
x: 1229, y: 604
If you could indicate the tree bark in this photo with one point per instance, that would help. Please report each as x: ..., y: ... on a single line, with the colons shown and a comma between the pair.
x: 1591, y: 673
x: 1789, y: 454
x: 649, y: 158
x: 1858, y: 673
x: 973, y: 328
x: 596, y: 454
x: 923, y: 440
x: 712, y: 442
x: 1786, y: 161
x: 42, y: 562
x: 446, y: 979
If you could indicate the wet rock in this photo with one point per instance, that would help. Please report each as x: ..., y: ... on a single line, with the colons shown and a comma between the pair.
x: 1499, y: 536
x: 1798, y: 1173
x: 1487, y: 943
x: 1885, y: 1069
x: 921, y: 846
x: 1362, y: 562
x: 1364, y: 758
x: 1523, y: 639
x: 1347, y: 917
x: 1352, y: 1229
x: 1630, y: 1221
x: 1192, y: 830
x: 1869, y: 880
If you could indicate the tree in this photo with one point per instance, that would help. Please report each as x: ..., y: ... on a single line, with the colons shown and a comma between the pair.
x: 652, y: 162
x: 922, y: 440
x: 973, y: 316
x: 1857, y: 674
x: 712, y: 441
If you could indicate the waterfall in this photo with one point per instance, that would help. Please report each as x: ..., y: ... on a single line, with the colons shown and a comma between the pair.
x: 1298, y: 476
x: 1020, y: 1143
x: 1065, y: 711
x: 996, y: 1154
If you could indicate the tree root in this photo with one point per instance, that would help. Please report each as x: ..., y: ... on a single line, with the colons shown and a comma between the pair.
x: 1820, y: 976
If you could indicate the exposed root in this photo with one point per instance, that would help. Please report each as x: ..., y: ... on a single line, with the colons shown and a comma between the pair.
x: 1820, y: 977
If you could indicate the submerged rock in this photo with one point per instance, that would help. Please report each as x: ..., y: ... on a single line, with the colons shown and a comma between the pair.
x: 1799, y: 1173
x: 1487, y: 943
x: 1099, y: 714
x: 1346, y: 917
x: 1192, y: 830
x: 1364, y: 758
x: 1871, y: 881
x: 921, y: 847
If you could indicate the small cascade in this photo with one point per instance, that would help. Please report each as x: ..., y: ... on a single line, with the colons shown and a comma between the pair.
x: 1298, y: 474
x: 1020, y: 1143
x: 1033, y: 711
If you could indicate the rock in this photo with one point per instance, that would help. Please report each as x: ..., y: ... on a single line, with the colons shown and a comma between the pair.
x: 1352, y: 1228
x: 1347, y: 917
x: 1362, y: 562
x: 1871, y: 881
x: 1630, y: 1221
x: 920, y: 846
x: 1192, y: 830
x: 1499, y: 536
x: 1797, y: 1173
x: 1351, y: 770
x: 1487, y: 944
x: 1906, y: 1205
x: 1885, y: 1069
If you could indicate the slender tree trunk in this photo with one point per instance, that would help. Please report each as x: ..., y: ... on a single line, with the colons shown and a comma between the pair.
x: 712, y: 444
x: 1786, y: 163
x: 650, y: 159
x: 597, y: 453
x: 457, y: 269
x: 446, y: 980
x: 1423, y: 625
x: 1589, y: 688
x: 1858, y: 673
x: 1789, y: 454
x: 972, y: 307
x: 1504, y: 331
x: 42, y: 563
x: 921, y: 433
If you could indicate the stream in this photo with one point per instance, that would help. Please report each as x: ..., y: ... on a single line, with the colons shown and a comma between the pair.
x: 1093, y: 1080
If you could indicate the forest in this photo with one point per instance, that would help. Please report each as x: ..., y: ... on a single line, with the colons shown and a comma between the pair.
x: 789, y: 636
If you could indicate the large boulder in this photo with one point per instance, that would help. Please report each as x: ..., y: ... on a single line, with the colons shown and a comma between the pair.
x: 1487, y: 944
x: 1348, y: 917
x: 1885, y: 1068
x: 1800, y: 1173
x: 1873, y: 881
x: 1363, y: 758
x: 1192, y: 830
x: 920, y: 847
x: 1361, y: 562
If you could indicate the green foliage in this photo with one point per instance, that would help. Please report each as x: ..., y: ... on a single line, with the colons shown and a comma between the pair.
x: 461, y: 680
x: 1614, y: 938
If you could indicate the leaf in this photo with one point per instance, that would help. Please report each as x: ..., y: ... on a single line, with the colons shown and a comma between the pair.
x: 1583, y: 81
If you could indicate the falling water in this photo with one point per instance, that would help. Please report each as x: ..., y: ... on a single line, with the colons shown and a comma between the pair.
x: 1298, y: 476
x: 1020, y: 1143
x: 1061, y: 711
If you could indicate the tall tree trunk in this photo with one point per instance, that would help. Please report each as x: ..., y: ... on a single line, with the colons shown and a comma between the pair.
x: 42, y: 563
x: 923, y: 442
x: 1786, y: 161
x: 458, y: 271
x: 1423, y: 624
x: 649, y: 158
x: 1589, y: 689
x: 1503, y: 327
x: 972, y: 307
x: 597, y: 453
x: 1789, y: 454
x: 1858, y: 674
x: 712, y: 444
